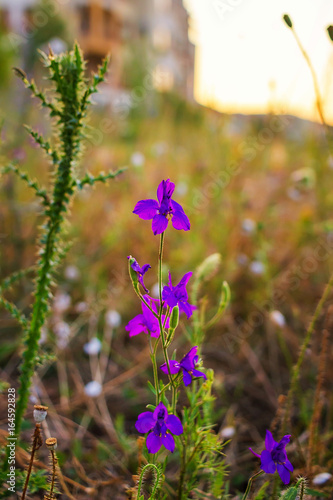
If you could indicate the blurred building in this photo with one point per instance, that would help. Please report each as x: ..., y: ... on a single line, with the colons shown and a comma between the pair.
x: 106, y: 26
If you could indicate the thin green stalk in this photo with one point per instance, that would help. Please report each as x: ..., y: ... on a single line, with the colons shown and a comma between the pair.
x: 153, y: 360
x: 165, y: 351
x: 249, y: 484
x: 297, y: 366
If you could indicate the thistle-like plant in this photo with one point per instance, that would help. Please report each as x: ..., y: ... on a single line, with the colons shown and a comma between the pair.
x: 67, y: 103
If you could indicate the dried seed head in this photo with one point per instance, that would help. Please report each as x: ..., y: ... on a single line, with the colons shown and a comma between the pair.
x: 40, y: 413
x: 330, y: 32
x: 288, y: 21
x: 51, y: 443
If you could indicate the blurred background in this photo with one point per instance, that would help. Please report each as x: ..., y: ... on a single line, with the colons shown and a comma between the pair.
x: 217, y: 97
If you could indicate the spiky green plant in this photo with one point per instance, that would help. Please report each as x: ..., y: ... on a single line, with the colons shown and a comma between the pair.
x: 68, y: 105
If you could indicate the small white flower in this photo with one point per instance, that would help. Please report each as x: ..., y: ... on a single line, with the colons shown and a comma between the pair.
x: 248, y: 226
x: 40, y: 413
x: 257, y: 267
x: 277, y: 318
x: 321, y: 478
x: 81, y: 307
x: 92, y: 347
x: 181, y: 188
x: 93, y: 389
x: 113, y: 318
x: 137, y: 159
x: 72, y: 273
x: 62, y: 331
x: 155, y: 291
x: 228, y: 432
x: 61, y: 302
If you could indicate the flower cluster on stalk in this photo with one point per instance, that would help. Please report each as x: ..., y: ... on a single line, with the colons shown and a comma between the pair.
x: 157, y: 319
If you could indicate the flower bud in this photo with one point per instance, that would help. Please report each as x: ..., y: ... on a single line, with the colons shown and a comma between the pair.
x: 40, y: 413
x: 208, y: 267
x: 174, y: 318
x: 133, y: 274
x: 330, y: 32
x: 287, y: 20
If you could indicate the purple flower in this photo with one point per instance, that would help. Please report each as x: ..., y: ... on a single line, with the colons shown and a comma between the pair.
x: 187, y: 365
x: 146, y: 322
x: 174, y: 295
x: 274, y: 457
x: 141, y: 271
x: 163, y: 210
x: 161, y: 426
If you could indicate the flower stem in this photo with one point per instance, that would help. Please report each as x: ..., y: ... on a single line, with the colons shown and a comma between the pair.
x: 249, y: 484
x: 297, y: 366
x: 165, y: 351
x: 153, y: 360
x: 36, y: 444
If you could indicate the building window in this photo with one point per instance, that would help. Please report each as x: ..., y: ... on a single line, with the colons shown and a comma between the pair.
x: 84, y: 13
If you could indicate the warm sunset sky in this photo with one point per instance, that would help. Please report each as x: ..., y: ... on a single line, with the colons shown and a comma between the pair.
x: 247, y: 58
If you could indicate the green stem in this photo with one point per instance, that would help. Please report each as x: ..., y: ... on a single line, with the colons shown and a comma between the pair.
x: 249, y: 484
x: 297, y: 366
x: 156, y: 483
x: 153, y: 360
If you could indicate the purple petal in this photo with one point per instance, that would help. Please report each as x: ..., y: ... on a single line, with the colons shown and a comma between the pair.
x: 269, y: 441
x: 180, y: 221
x: 165, y: 190
x: 174, y: 367
x: 187, y: 379
x: 168, y: 442
x: 146, y: 209
x: 184, y: 280
x: 254, y: 453
x: 189, y: 360
x: 283, y: 473
x: 174, y: 425
x: 159, y: 224
x: 169, y: 297
x: 176, y: 206
x: 186, y: 308
x: 289, y: 465
x: 145, y: 268
x: 284, y: 441
x: 159, y: 409
x: 140, y: 280
x: 135, y: 266
x: 197, y: 373
x: 153, y: 443
x: 145, y: 422
x: 136, y: 325
x: 267, y: 463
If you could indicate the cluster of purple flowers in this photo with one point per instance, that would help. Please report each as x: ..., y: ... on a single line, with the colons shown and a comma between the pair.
x: 159, y: 424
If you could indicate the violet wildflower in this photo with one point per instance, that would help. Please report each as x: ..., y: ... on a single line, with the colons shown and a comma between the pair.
x: 177, y: 295
x: 274, y: 457
x: 187, y: 365
x: 140, y: 271
x: 163, y: 210
x: 162, y: 426
x: 146, y: 322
